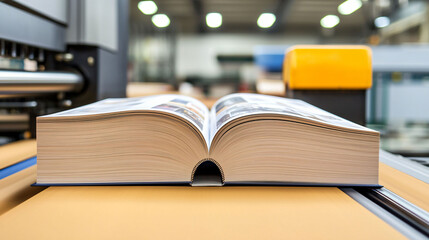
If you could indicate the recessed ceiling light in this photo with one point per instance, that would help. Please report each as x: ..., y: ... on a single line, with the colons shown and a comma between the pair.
x: 147, y: 7
x: 214, y: 20
x: 266, y: 20
x: 382, y: 22
x: 329, y: 21
x: 161, y: 20
x: 349, y: 6
x: 383, y: 3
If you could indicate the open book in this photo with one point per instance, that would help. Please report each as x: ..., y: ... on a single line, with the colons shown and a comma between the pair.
x: 244, y: 139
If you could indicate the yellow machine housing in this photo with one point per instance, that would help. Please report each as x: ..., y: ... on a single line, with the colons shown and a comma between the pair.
x: 328, y: 67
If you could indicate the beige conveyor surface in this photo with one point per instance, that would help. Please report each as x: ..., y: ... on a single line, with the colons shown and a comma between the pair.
x: 16, y: 188
x: 144, y: 212
x: 17, y: 151
x: 408, y: 187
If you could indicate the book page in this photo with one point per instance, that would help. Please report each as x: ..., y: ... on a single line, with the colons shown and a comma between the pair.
x: 185, y: 107
x: 238, y: 105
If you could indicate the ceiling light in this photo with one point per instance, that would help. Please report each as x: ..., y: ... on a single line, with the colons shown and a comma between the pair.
x: 266, y: 20
x: 329, y: 21
x: 147, y: 7
x: 160, y: 20
x: 383, y: 3
x: 214, y: 20
x: 382, y: 22
x: 349, y: 6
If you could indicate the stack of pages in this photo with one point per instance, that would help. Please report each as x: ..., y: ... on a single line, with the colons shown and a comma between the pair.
x: 244, y: 139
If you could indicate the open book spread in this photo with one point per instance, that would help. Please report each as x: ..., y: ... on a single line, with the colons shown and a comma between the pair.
x: 243, y: 139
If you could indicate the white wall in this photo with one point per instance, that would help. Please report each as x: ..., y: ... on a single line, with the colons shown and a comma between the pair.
x: 408, y: 102
x: 196, y: 54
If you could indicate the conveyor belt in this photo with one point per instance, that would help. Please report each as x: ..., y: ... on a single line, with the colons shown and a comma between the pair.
x: 415, y: 217
x: 15, y: 187
x: 138, y: 212
x: 406, y: 178
x: 406, y: 186
x: 17, y: 151
x: 406, y: 191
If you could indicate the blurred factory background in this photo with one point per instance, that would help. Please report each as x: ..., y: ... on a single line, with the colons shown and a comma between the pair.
x: 207, y: 49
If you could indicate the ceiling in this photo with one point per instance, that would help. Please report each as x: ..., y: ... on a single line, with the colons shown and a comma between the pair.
x: 188, y: 16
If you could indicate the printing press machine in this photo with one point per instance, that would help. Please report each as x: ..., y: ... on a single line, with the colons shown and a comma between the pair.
x: 57, y: 55
x: 76, y: 66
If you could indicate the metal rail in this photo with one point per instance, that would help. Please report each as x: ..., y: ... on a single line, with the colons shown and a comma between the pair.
x: 402, y: 209
x: 19, y: 83
x: 408, y: 231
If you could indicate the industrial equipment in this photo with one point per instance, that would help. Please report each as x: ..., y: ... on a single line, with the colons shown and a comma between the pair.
x: 58, y: 54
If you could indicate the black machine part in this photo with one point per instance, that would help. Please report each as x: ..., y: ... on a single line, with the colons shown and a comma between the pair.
x: 348, y: 104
